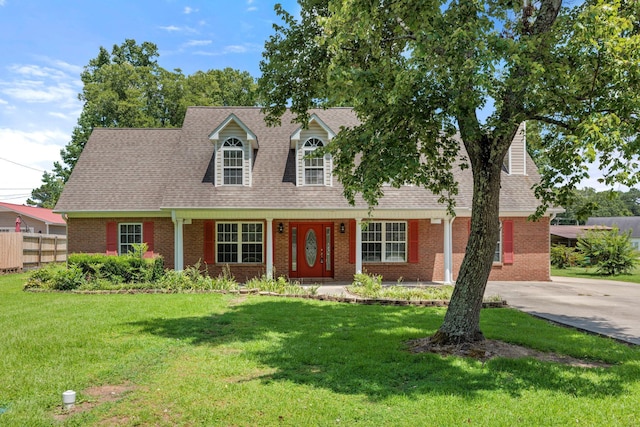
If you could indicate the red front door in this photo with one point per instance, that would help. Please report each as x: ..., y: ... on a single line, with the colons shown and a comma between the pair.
x: 311, y: 249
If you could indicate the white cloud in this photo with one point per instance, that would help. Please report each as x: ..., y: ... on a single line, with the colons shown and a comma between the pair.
x: 33, y: 91
x: 2, y: 2
x: 3, y: 102
x: 37, y: 71
x: 252, y: 9
x: 191, y: 43
x: 234, y: 48
x: 170, y: 28
x: 31, y: 153
x: 175, y: 29
x: 188, y: 10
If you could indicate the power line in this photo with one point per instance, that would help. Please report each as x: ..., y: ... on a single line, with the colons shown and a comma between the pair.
x: 19, y: 164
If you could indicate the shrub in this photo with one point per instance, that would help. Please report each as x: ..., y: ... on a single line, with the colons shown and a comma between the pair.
x: 611, y: 252
x: 563, y: 256
x: 56, y: 277
x: 130, y: 268
x: 280, y: 286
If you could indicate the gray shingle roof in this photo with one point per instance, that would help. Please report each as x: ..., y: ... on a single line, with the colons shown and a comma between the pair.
x: 153, y: 169
x: 623, y: 223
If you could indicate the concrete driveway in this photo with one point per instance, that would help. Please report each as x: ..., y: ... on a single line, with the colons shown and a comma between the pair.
x: 602, y: 306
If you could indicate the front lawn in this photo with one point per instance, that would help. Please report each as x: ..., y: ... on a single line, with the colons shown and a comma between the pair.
x: 590, y: 273
x: 212, y: 359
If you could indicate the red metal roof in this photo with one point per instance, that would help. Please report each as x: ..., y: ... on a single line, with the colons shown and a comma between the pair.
x: 42, y: 214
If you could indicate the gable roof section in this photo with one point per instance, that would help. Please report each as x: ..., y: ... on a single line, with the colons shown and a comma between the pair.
x: 162, y: 169
x: 42, y: 214
x: 312, y: 119
x: 251, y: 137
x: 121, y: 170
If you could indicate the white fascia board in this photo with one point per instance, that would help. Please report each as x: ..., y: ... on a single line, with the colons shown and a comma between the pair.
x: 251, y: 137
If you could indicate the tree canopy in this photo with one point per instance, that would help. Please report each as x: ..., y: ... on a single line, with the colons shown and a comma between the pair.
x: 418, y: 72
x: 127, y: 88
x: 588, y: 202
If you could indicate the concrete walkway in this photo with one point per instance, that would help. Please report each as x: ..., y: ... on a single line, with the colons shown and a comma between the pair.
x: 603, y: 307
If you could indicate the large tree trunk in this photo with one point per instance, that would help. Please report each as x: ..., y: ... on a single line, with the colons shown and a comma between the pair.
x: 462, y: 320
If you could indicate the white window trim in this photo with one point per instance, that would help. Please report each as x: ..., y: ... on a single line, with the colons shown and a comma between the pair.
x: 120, y: 244
x: 498, y: 250
x: 383, y: 242
x: 236, y: 148
x: 307, y: 151
x: 239, y: 242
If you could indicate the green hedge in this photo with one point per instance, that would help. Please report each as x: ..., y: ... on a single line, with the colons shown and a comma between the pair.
x: 97, y: 271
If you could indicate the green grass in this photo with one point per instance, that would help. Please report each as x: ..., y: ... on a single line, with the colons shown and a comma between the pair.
x: 210, y: 359
x: 590, y: 273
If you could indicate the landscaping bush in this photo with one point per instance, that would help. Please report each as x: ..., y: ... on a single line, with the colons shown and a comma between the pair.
x: 564, y: 257
x: 279, y: 286
x: 370, y: 286
x: 194, y: 279
x: 56, y: 277
x: 100, y: 271
x: 610, y: 252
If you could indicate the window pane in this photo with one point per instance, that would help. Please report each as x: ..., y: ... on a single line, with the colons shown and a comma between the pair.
x: 252, y: 252
x: 227, y: 252
x: 129, y: 234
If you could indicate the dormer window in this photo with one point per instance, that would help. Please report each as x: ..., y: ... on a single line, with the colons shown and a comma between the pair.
x: 313, y: 165
x: 232, y: 155
x: 234, y: 148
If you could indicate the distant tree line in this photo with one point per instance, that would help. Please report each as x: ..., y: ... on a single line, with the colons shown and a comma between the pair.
x: 588, y: 202
x: 127, y: 88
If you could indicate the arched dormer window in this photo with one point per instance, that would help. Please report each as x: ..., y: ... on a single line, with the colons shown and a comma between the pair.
x: 313, y: 165
x: 232, y: 161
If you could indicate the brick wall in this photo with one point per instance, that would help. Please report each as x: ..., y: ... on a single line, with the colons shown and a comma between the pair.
x: 530, y: 245
x: 89, y: 235
x: 531, y: 249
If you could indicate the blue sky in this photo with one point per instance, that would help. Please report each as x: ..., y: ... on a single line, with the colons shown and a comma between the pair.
x: 45, y: 44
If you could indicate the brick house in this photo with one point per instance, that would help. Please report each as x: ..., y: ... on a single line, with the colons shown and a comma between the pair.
x: 228, y: 190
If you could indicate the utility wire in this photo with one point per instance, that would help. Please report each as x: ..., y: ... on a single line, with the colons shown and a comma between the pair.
x: 19, y: 164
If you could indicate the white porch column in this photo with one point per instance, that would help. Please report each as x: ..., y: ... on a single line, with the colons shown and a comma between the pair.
x: 447, y: 251
x: 178, y: 244
x: 358, y: 245
x: 269, y: 271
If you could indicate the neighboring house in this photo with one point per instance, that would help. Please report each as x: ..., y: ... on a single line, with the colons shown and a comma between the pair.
x: 568, y: 235
x: 623, y: 224
x: 30, y: 219
x: 228, y: 190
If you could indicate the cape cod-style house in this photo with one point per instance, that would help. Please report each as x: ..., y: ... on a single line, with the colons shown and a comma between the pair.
x: 226, y: 189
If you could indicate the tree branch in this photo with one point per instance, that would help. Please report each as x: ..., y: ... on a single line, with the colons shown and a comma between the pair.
x: 545, y: 18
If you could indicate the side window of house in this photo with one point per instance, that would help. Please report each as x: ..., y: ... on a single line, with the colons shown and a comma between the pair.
x: 497, y: 256
x: 232, y: 158
x: 313, y: 165
x: 239, y: 242
x: 384, y: 242
x: 129, y: 233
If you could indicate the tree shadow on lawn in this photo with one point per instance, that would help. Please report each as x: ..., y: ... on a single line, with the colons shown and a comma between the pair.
x: 354, y: 349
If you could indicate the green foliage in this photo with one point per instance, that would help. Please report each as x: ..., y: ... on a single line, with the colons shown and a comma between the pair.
x: 280, y: 286
x: 585, y: 203
x: 611, y: 252
x: 370, y: 286
x: 274, y: 361
x: 56, y: 277
x: 99, y: 271
x: 127, y: 88
x: 564, y: 257
x: 194, y: 279
x: 418, y: 72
